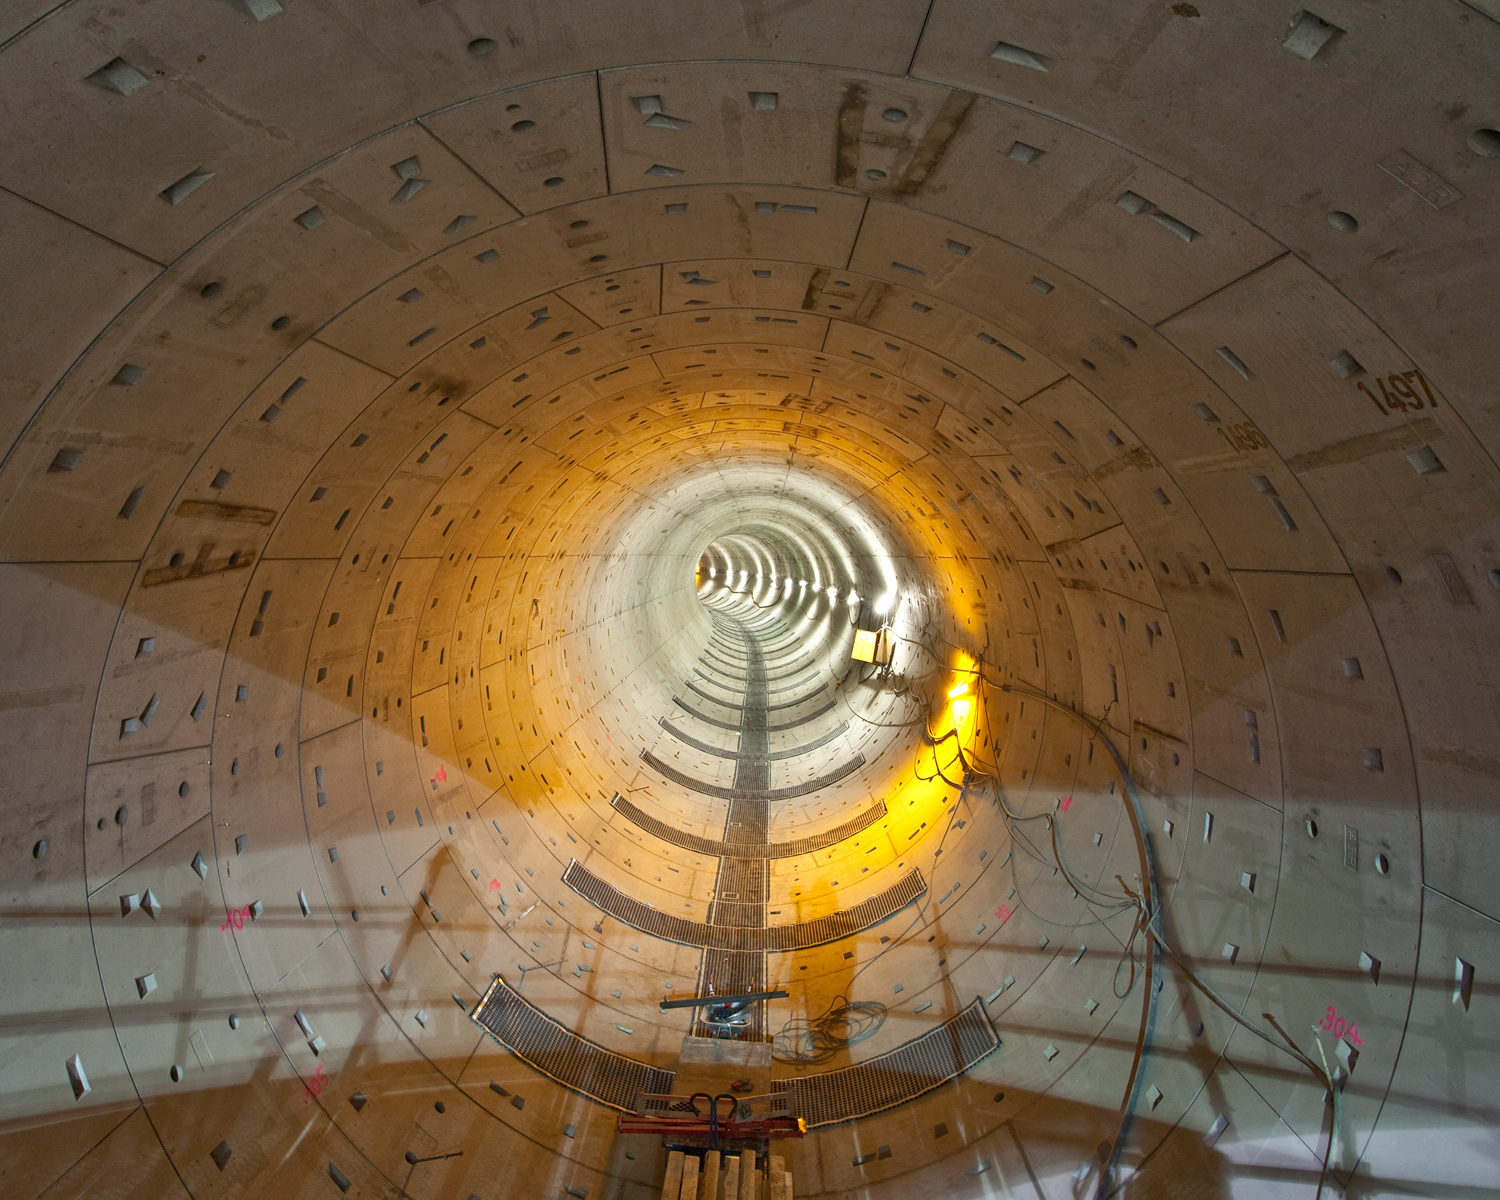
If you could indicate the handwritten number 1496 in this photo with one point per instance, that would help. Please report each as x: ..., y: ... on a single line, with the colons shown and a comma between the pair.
x: 1401, y: 395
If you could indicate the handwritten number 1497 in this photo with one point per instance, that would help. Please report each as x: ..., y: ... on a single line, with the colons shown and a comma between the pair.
x: 1402, y: 394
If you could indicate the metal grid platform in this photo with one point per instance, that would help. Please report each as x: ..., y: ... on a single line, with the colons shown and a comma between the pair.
x: 702, y: 845
x: 548, y: 1046
x: 722, y: 937
x: 896, y: 1077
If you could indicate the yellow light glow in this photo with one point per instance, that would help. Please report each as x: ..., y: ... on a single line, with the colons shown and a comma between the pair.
x: 960, y: 712
x: 961, y: 690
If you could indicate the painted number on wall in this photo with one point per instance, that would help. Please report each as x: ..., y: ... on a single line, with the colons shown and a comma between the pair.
x: 235, y: 919
x: 1341, y: 1028
x: 316, y: 1084
x: 1399, y: 393
x: 1243, y: 437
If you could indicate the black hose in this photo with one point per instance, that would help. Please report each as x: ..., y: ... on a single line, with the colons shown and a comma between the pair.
x: 817, y: 1040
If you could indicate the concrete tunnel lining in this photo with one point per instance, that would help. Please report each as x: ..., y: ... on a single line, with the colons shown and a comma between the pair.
x: 366, y: 449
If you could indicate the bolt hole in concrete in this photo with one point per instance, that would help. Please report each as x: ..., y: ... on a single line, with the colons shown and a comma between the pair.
x: 1485, y: 142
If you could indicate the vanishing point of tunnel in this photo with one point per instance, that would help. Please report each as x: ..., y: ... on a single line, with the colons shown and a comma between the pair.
x: 749, y: 600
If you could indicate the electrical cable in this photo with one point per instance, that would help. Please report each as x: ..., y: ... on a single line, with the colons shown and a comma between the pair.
x: 818, y: 1039
x: 1148, y: 923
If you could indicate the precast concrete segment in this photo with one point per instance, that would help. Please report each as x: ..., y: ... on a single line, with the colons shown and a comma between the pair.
x: 804, y: 719
x: 698, y: 691
x: 794, y: 703
x: 729, y: 683
x: 687, y: 708
x: 716, y: 671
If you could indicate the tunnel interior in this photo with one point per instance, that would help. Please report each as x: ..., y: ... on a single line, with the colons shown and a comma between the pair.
x: 974, y: 524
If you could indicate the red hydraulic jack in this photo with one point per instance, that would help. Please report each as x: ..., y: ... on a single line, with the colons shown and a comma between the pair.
x: 721, y: 1118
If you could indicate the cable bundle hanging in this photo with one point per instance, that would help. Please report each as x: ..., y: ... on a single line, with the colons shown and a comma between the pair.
x: 818, y: 1039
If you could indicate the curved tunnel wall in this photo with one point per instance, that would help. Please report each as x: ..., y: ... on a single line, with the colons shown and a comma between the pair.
x: 377, y: 381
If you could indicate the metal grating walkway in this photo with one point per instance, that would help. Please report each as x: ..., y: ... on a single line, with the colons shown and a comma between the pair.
x: 772, y: 755
x: 722, y: 937
x: 557, y: 1052
x: 806, y: 787
x: 702, y: 845
x: 898, y: 1076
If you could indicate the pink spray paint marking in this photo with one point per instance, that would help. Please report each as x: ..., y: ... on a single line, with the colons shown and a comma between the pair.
x: 494, y: 885
x: 1341, y: 1028
x: 314, y: 1085
x: 1003, y: 913
x: 236, y: 918
x: 1065, y: 803
x: 442, y: 774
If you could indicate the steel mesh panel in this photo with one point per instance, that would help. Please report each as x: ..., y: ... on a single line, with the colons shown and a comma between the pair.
x: 548, y: 1046
x: 721, y: 937
x: 702, y: 845
x: 896, y: 1077
x: 732, y: 973
x: 758, y: 792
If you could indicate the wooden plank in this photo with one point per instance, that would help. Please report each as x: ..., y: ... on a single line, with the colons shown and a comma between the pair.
x: 710, y: 1188
x: 672, y: 1187
x: 689, y: 1178
x: 748, y: 1178
x: 731, y: 1179
x: 789, y: 1192
x: 775, y: 1178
